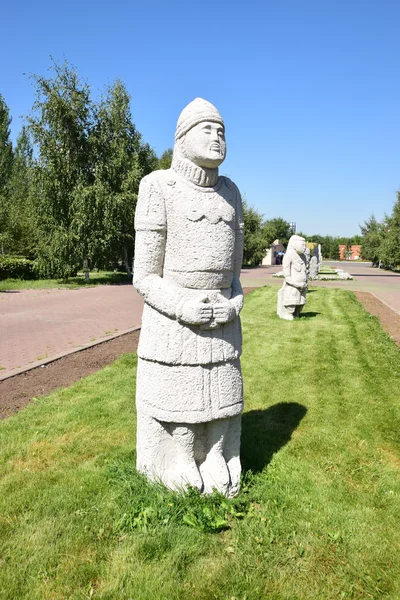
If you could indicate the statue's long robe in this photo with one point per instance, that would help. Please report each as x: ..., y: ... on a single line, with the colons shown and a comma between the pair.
x: 189, y: 245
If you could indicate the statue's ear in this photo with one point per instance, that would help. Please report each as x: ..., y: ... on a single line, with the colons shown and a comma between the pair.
x: 180, y: 144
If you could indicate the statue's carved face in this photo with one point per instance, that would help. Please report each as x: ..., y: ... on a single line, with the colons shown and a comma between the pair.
x: 299, y: 246
x: 204, y: 145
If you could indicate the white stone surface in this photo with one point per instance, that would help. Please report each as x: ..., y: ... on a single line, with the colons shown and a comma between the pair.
x: 314, y: 267
x: 188, y: 256
x: 292, y: 295
x: 307, y: 254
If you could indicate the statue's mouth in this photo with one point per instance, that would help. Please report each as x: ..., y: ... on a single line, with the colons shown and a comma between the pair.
x: 215, y: 147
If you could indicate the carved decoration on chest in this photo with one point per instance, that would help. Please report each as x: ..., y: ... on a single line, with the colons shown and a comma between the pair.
x: 217, y: 204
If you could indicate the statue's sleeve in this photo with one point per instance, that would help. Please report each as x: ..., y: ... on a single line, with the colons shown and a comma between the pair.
x: 237, y: 291
x: 150, y: 237
x: 287, y: 271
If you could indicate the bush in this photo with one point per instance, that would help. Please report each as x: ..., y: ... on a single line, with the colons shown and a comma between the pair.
x: 17, y: 268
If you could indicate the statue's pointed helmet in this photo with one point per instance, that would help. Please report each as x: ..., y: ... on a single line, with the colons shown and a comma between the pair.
x: 196, y: 112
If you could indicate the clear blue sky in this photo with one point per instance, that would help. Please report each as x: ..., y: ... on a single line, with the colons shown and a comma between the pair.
x: 310, y: 91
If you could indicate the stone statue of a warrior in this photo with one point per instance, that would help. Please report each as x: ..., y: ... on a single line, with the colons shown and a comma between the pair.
x: 188, y: 256
x: 292, y: 295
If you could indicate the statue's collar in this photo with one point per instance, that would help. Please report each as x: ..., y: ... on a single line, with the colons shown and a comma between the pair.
x: 197, y: 175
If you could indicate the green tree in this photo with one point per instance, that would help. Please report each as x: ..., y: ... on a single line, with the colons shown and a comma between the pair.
x: 329, y: 246
x: 165, y: 160
x: 389, y: 250
x: 276, y: 229
x: 6, y: 162
x: 372, y: 238
x: 104, y: 213
x: 356, y: 240
x: 334, y: 253
x: 60, y: 123
x: 21, y: 222
x: 254, y: 238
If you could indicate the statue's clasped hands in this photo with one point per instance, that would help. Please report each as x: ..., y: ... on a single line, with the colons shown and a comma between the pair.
x: 209, y: 315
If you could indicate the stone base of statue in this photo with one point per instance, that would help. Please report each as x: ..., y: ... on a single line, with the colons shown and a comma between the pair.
x: 201, y: 455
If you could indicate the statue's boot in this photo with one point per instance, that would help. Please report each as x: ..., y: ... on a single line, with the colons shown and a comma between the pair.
x: 287, y: 312
x: 284, y: 312
x: 232, y: 454
x: 186, y: 471
x: 298, y: 310
x: 287, y: 317
x: 214, y: 469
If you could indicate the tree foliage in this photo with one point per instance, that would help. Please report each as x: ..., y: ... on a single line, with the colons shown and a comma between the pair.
x: 60, y: 125
x: 21, y: 220
x: 276, y: 229
x: 6, y: 164
x: 372, y: 237
x: 104, y: 211
x: 86, y: 172
x: 254, y: 240
x: 165, y: 160
x: 389, y: 249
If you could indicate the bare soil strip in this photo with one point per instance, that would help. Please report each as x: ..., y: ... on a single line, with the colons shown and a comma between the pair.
x: 17, y: 391
x: 388, y: 318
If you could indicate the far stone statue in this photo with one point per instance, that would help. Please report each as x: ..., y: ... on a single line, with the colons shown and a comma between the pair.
x: 319, y: 257
x: 314, y: 267
x: 307, y: 254
x: 292, y: 295
x: 188, y: 256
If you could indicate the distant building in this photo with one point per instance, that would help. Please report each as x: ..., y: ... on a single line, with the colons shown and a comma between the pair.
x: 275, y: 248
x: 352, y: 253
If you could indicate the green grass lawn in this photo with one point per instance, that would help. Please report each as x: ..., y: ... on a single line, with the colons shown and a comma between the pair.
x: 318, y: 516
x: 96, y: 278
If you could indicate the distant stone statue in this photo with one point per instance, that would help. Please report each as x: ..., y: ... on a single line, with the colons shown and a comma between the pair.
x: 188, y: 256
x: 292, y: 295
x: 319, y: 257
x: 307, y: 254
x: 314, y: 268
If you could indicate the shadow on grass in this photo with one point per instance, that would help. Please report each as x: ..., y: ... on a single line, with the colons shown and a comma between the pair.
x: 9, y: 291
x: 264, y: 432
x: 308, y: 315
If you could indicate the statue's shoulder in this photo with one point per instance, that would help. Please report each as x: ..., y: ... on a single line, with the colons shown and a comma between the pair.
x: 150, y: 209
x: 229, y: 184
x: 152, y: 178
x: 159, y: 178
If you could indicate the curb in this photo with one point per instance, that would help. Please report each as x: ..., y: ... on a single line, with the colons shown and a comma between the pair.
x: 46, y: 361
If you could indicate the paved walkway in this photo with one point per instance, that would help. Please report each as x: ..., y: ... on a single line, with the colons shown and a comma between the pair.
x: 38, y: 325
